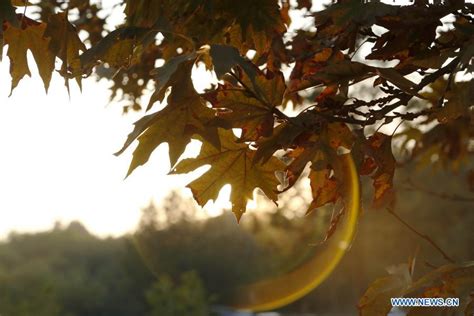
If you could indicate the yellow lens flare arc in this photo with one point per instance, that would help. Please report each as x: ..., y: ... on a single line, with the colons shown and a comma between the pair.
x: 284, y: 289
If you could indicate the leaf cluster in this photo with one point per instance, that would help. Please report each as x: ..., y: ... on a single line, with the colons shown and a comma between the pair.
x: 313, y: 71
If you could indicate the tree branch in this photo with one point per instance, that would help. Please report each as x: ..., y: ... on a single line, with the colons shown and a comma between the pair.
x: 453, y: 196
x: 425, y: 237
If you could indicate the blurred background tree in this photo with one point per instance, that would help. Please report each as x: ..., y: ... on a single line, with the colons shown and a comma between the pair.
x: 192, y: 263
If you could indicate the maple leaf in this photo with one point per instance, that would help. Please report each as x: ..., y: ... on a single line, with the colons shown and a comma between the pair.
x: 325, y: 173
x: 404, y: 37
x: 185, y: 115
x: 225, y: 57
x: 432, y: 58
x: 339, y: 135
x: 286, y: 135
x: 232, y: 164
x: 238, y: 109
x: 143, y: 13
x: 332, y: 73
x: 324, y: 188
x: 451, y: 280
x: 341, y: 23
x: 459, y: 101
x: 7, y: 14
x: 117, y: 47
x: 394, y: 77
x: 376, y: 299
x: 169, y: 75
x: 380, y: 148
x: 19, y: 41
x: 319, y: 148
x: 65, y: 44
x: 259, y: 21
x: 326, y: 170
x: 282, y: 138
x: 250, y: 111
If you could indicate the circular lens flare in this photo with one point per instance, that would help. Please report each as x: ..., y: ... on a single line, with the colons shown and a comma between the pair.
x: 284, y: 289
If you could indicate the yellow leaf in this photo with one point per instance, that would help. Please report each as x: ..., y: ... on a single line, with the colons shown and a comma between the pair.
x: 185, y: 115
x: 7, y: 14
x: 231, y: 165
x: 19, y: 42
x: 251, y: 112
x: 120, y: 53
x: 324, y: 188
x: 380, y: 149
x: 65, y: 44
x: 376, y: 300
x: 170, y: 74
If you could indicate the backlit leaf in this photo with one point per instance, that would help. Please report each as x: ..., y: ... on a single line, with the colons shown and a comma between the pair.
x: 66, y: 45
x: 283, y: 137
x: 452, y: 280
x: 324, y: 188
x: 376, y: 299
x: 165, y: 76
x: 116, y: 48
x: 7, y: 14
x: 19, y: 41
x: 333, y: 73
x: 250, y: 111
x: 226, y: 57
x: 380, y: 148
x: 231, y: 165
x: 184, y: 116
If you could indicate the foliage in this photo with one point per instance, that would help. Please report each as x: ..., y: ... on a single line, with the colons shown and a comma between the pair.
x: 425, y: 86
x: 222, y: 254
x: 444, y: 282
x: 293, y: 97
x: 71, y: 272
x: 188, y: 297
x: 67, y: 271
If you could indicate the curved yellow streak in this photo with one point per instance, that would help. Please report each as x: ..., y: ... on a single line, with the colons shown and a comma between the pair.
x: 285, y: 289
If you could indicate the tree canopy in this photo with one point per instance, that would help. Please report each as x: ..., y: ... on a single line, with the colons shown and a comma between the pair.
x: 416, y: 67
x: 384, y: 83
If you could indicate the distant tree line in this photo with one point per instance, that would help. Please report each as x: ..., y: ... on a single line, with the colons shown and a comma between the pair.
x: 183, y: 265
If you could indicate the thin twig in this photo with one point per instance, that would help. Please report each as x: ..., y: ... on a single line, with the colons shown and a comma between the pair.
x: 425, y: 237
x: 395, y: 130
x: 430, y: 265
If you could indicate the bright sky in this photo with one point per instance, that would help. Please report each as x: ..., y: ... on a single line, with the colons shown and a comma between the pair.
x: 56, y: 160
